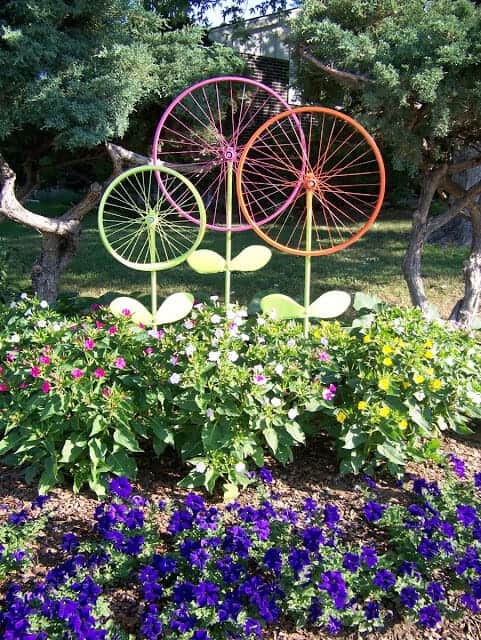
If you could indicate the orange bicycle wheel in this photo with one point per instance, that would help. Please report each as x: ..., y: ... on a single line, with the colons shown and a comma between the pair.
x: 340, y: 172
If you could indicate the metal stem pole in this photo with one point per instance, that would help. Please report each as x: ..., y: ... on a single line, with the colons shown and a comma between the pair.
x: 153, y: 275
x: 307, y: 261
x: 228, y: 235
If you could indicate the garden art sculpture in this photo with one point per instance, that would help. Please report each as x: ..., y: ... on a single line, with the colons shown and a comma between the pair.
x: 309, y: 181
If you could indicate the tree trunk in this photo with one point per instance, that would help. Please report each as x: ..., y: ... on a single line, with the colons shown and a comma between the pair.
x: 419, y: 233
x: 466, y: 309
x: 56, y: 253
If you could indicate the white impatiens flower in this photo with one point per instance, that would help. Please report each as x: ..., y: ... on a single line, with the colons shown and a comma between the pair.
x: 240, y: 467
x: 200, y: 467
x: 43, y: 304
x: 276, y: 402
x: 233, y: 356
x: 291, y: 342
x: 41, y: 324
x: 209, y: 413
x: 13, y: 304
x: 218, y: 333
x: 214, y: 356
x: 175, y: 378
x: 230, y: 314
x: 189, y: 324
x: 292, y: 413
x: 28, y: 313
x: 215, y: 318
x: 244, y: 337
x: 279, y: 369
x: 260, y: 321
x: 57, y: 326
x: 23, y: 296
x: 214, y: 298
x: 14, y: 338
x: 189, y: 350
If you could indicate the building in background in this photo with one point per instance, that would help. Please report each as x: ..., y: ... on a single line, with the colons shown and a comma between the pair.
x: 262, y: 41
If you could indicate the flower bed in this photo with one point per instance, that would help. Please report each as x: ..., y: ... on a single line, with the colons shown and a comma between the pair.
x: 81, y: 398
x: 198, y: 570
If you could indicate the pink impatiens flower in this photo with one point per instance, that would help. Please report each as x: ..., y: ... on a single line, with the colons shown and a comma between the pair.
x: 106, y: 392
x: 76, y: 373
x: 89, y: 344
x: 112, y: 330
x: 119, y: 363
x: 329, y: 392
x: 3, y: 387
x: 45, y: 386
x: 126, y: 312
x: 35, y: 372
x: 99, y: 373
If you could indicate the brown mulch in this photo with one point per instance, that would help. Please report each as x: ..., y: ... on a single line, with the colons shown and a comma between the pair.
x: 313, y: 473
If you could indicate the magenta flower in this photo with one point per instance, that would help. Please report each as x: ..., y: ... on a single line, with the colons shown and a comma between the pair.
x: 94, y: 306
x: 89, y: 344
x: 323, y: 356
x: 35, y: 372
x: 259, y: 379
x: 11, y: 357
x: 44, y: 360
x: 126, y: 312
x: 45, y: 386
x: 112, y: 330
x: 3, y: 387
x: 99, y: 373
x: 98, y: 324
x: 23, y: 385
x: 76, y: 373
x: 106, y: 392
x: 330, y: 392
x: 148, y: 351
x: 119, y: 363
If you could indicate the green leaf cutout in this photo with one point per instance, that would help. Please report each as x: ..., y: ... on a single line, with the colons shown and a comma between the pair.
x: 282, y: 307
x: 174, y: 308
x: 138, y: 312
x: 330, y: 305
x: 251, y: 258
x: 206, y: 261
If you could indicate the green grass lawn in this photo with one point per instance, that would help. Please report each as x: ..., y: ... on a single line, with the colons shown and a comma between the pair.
x: 372, y: 265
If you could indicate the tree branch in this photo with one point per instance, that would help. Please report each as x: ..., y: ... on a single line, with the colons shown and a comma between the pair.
x: 340, y: 75
x: 465, y: 165
x: 462, y: 203
x: 130, y: 158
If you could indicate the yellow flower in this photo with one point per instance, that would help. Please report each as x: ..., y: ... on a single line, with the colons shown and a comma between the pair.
x: 361, y: 405
x: 384, y: 411
x: 429, y: 354
x: 402, y: 424
x: 428, y: 344
x: 387, y: 362
x: 430, y: 371
x: 341, y: 416
x: 386, y: 349
x: 436, y: 384
x: 383, y: 383
x: 405, y: 384
x: 418, y: 378
x: 366, y: 339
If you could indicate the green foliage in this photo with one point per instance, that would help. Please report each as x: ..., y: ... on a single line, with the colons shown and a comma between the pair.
x: 77, y: 73
x: 405, y: 381
x: 423, y: 65
x: 81, y: 398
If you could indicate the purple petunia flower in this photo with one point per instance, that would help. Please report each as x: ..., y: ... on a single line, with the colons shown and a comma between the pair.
x: 265, y: 475
x: 252, y: 627
x: 373, y: 511
x: 429, y: 616
x: 384, y: 579
x: 408, y: 597
x: 120, y: 487
x: 435, y: 591
x: 206, y: 594
x: 70, y: 542
x: 369, y: 557
x: 467, y: 515
x: 372, y: 610
x: 458, y: 465
x: 151, y: 626
x: 331, y: 515
x: 351, y: 562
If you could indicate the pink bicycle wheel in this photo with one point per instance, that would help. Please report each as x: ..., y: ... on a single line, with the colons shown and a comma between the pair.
x: 203, y: 133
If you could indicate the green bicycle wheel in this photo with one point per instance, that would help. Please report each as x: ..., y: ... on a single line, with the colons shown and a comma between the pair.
x: 141, y: 228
